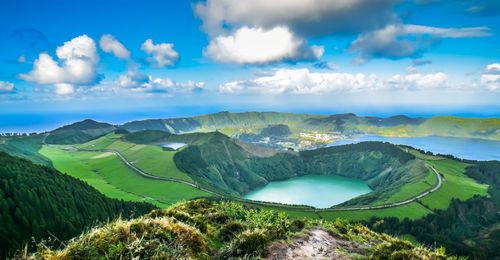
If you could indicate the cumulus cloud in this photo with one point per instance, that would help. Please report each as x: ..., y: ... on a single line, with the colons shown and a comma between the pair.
x: 490, y: 77
x: 78, y: 59
x: 305, y: 18
x: 109, y: 44
x: 136, y: 81
x: 300, y: 81
x: 132, y: 79
x: 6, y: 87
x: 398, y: 41
x: 262, y: 31
x: 418, y: 81
x: 163, y: 54
x: 258, y: 46
x: 303, y: 81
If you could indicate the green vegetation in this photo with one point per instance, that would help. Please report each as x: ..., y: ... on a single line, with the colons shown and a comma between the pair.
x: 207, y: 230
x: 38, y: 201
x: 456, y: 184
x: 467, y: 227
x: 219, y: 163
x: 254, y: 126
x: 79, y: 132
x: 25, y: 147
x: 411, y: 211
x: 109, y: 175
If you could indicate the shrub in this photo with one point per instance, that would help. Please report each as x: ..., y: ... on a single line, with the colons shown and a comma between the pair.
x: 230, y: 230
x: 248, y: 244
x: 142, y: 238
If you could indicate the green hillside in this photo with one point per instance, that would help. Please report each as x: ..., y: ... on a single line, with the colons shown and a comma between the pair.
x: 25, y: 147
x: 40, y: 202
x: 311, y: 131
x: 79, y: 132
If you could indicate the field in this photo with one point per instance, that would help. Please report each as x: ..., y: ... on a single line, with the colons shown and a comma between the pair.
x: 415, y: 189
x: 412, y: 211
x: 109, y: 175
x: 456, y: 185
x: 151, y: 159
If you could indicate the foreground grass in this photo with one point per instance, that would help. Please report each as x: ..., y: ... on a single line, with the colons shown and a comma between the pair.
x: 206, y: 230
x: 109, y: 175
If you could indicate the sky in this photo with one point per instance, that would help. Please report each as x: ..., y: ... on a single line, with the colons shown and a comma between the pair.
x: 125, y: 60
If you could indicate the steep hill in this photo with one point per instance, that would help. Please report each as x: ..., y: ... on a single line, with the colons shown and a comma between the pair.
x: 25, y: 147
x: 206, y: 230
x: 40, y: 202
x: 79, y: 132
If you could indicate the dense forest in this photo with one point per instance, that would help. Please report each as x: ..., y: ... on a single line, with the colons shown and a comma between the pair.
x: 468, y: 228
x: 40, y: 202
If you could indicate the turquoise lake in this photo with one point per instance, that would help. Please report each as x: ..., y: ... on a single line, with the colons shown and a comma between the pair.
x: 320, y: 191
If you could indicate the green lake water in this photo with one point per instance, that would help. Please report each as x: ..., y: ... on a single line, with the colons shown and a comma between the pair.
x: 320, y: 191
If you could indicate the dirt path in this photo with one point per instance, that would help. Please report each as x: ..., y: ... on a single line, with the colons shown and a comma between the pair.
x: 316, y: 244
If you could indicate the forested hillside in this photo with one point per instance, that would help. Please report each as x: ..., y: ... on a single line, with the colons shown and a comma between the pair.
x: 40, y: 202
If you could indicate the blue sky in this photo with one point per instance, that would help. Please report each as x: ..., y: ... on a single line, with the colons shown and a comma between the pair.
x: 176, y: 58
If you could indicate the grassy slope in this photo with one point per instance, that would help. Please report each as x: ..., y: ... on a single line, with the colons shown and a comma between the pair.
x: 149, y: 158
x: 25, y: 147
x: 412, y: 211
x: 456, y: 184
x: 414, y: 189
x: 110, y: 176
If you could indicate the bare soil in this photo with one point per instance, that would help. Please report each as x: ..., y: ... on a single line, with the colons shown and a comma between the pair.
x: 316, y: 244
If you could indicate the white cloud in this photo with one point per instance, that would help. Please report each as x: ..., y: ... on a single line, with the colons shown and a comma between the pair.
x: 396, y: 41
x: 258, y: 46
x: 163, y: 54
x: 418, y: 81
x: 411, y: 69
x: 136, y: 81
x: 64, y: 89
x: 78, y: 59
x: 448, y: 32
x: 6, y: 87
x: 109, y: 44
x: 304, y: 17
x: 132, y: 79
x: 302, y: 81
x: 490, y: 77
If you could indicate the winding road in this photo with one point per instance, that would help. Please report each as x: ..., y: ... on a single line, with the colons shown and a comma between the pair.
x: 150, y: 176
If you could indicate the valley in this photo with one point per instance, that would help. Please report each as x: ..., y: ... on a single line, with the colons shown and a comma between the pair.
x: 402, y: 182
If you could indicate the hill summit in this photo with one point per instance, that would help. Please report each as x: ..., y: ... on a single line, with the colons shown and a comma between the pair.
x: 210, y: 230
